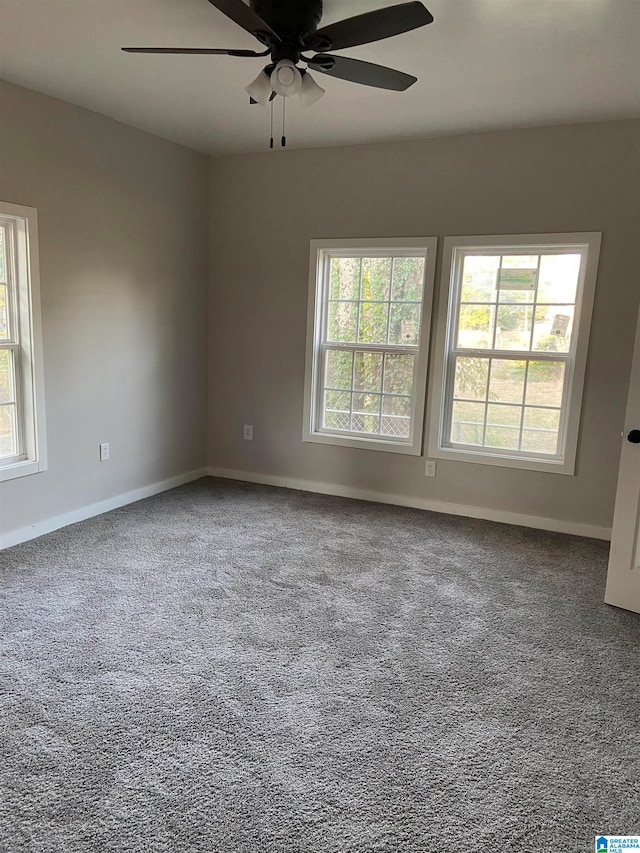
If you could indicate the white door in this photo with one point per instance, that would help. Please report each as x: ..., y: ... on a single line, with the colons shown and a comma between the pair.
x: 623, y: 578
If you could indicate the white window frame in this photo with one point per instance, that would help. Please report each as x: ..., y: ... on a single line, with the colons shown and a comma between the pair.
x: 321, y: 252
x: 441, y: 396
x: 23, y: 278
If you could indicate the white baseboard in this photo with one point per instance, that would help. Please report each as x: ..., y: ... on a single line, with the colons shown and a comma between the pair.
x: 32, y: 531
x: 23, y: 534
x: 575, y: 528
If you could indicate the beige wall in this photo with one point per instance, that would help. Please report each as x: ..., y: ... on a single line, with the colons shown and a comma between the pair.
x: 123, y: 256
x: 266, y: 207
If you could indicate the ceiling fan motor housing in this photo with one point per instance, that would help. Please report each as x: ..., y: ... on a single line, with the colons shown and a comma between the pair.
x: 291, y: 19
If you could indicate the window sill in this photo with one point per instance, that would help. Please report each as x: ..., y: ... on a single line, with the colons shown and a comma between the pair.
x: 363, y: 443
x: 20, y: 469
x: 550, y: 466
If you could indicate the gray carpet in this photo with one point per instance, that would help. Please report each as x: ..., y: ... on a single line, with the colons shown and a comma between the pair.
x: 239, y: 668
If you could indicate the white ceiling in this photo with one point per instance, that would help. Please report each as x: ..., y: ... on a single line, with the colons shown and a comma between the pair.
x: 482, y: 64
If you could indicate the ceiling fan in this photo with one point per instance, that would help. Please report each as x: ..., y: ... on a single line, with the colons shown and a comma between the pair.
x: 289, y: 28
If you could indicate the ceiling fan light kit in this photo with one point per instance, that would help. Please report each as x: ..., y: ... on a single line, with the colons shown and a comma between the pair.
x: 287, y: 28
x: 285, y: 79
x: 310, y: 91
x: 260, y: 89
x: 300, y: 83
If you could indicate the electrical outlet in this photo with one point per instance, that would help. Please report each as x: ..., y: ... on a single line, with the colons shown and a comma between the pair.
x: 430, y: 468
x: 248, y: 432
x: 105, y: 452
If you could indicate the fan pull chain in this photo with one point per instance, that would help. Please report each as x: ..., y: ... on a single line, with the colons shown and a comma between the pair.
x: 271, y: 140
x: 283, y: 141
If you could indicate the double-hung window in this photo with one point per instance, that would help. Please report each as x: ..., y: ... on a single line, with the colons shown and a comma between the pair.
x: 367, y: 342
x: 22, y: 428
x: 515, y: 316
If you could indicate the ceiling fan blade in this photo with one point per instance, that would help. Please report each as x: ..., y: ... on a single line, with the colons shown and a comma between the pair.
x: 245, y: 17
x: 372, y: 26
x: 194, y: 50
x: 357, y: 71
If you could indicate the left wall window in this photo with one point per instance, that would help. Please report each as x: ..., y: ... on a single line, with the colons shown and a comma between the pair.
x: 22, y: 420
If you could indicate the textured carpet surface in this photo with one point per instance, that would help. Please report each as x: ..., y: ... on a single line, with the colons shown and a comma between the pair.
x: 239, y: 668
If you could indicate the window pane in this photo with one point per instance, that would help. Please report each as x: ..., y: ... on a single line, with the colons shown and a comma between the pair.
x: 548, y: 419
x: 338, y: 370
x: 540, y: 433
x: 506, y: 384
x: 545, y: 383
x: 503, y: 426
x: 467, y: 423
x: 553, y: 328
x: 479, y: 278
x: 404, y: 326
x: 514, y: 327
x: 4, y: 312
x: 345, y: 278
x: 366, y: 403
x: 396, y: 416
x: 342, y: 321
x: 398, y: 374
x: 366, y: 411
x: 408, y: 278
x: 376, y: 278
x: 3, y: 263
x: 336, y: 420
x: 339, y: 401
x: 538, y: 442
x: 558, y: 278
x: 498, y: 415
x: 503, y: 438
x: 8, y: 431
x: 368, y: 371
x: 337, y: 410
x: 395, y: 427
x: 475, y: 328
x: 372, y: 328
x: 471, y: 378
x: 369, y: 423
x: 519, y: 296
x: 400, y: 406
x: 7, y: 386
